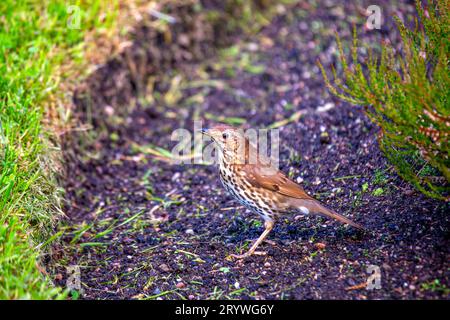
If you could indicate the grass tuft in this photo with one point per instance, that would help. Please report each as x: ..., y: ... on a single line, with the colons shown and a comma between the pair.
x: 37, y: 40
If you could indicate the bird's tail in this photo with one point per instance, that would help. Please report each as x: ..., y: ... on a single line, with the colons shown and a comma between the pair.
x: 315, y: 207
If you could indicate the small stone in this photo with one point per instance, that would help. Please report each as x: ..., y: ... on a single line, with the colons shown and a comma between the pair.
x: 267, y: 264
x: 109, y: 110
x: 266, y: 42
x: 190, y: 231
x: 184, y: 39
x: 320, y: 245
x: 237, y: 285
x: 176, y: 176
x: 191, y: 297
x: 336, y: 190
x: 423, y: 55
x: 253, y: 46
x: 327, y: 106
x: 325, y: 137
x: 87, y: 235
x: 164, y: 267
x: 180, y: 285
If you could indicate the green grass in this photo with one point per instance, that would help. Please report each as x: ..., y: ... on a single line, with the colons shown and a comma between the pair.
x: 436, y: 286
x: 35, y: 42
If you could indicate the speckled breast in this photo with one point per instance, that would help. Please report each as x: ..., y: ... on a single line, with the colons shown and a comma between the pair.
x: 235, y: 184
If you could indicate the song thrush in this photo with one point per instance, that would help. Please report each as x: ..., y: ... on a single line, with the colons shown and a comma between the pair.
x: 258, y: 185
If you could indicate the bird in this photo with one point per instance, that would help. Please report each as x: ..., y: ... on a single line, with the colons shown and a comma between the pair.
x: 259, y: 186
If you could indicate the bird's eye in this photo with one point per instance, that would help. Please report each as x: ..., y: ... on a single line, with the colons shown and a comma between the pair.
x: 224, y: 135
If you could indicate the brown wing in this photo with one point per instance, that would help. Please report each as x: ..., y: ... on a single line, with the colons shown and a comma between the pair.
x: 273, y: 180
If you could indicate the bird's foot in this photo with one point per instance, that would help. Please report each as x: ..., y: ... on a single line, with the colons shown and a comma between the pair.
x: 245, y: 255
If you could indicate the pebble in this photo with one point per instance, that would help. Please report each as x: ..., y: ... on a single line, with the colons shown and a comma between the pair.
x: 303, y: 26
x: 190, y: 231
x: 164, y: 267
x: 237, y: 285
x: 191, y: 297
x: 252, y: 46
x: 180, y: 285
x: 327, y: 106
x: 325, y: 137
x: 267, y: 264
x: 306, y: 75
x: 109, y: 110
x: 176, y: 176
x: 336, y: 190
x: 320, y: 245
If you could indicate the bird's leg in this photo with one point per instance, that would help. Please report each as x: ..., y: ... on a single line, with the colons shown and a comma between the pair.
x: 269, y: 226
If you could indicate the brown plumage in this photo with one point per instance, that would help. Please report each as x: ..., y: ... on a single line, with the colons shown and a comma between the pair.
x: 252, y: 180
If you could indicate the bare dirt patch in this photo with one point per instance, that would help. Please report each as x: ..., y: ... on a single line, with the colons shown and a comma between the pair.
x: 143, y: 228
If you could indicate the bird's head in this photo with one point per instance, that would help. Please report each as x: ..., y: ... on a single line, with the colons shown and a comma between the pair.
x: 231, y: 142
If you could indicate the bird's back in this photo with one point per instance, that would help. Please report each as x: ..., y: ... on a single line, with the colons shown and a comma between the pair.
x: 268, y: 192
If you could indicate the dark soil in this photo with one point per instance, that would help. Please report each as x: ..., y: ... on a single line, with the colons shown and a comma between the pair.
x: 143, y: 228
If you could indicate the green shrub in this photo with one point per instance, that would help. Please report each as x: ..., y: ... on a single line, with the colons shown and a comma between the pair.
x: 406, y: 94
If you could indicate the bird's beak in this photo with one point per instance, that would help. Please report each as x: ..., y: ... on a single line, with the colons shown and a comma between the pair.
x: 205, y: 131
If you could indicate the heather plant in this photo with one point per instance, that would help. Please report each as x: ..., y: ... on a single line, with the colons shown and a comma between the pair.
x: 406, y: 93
